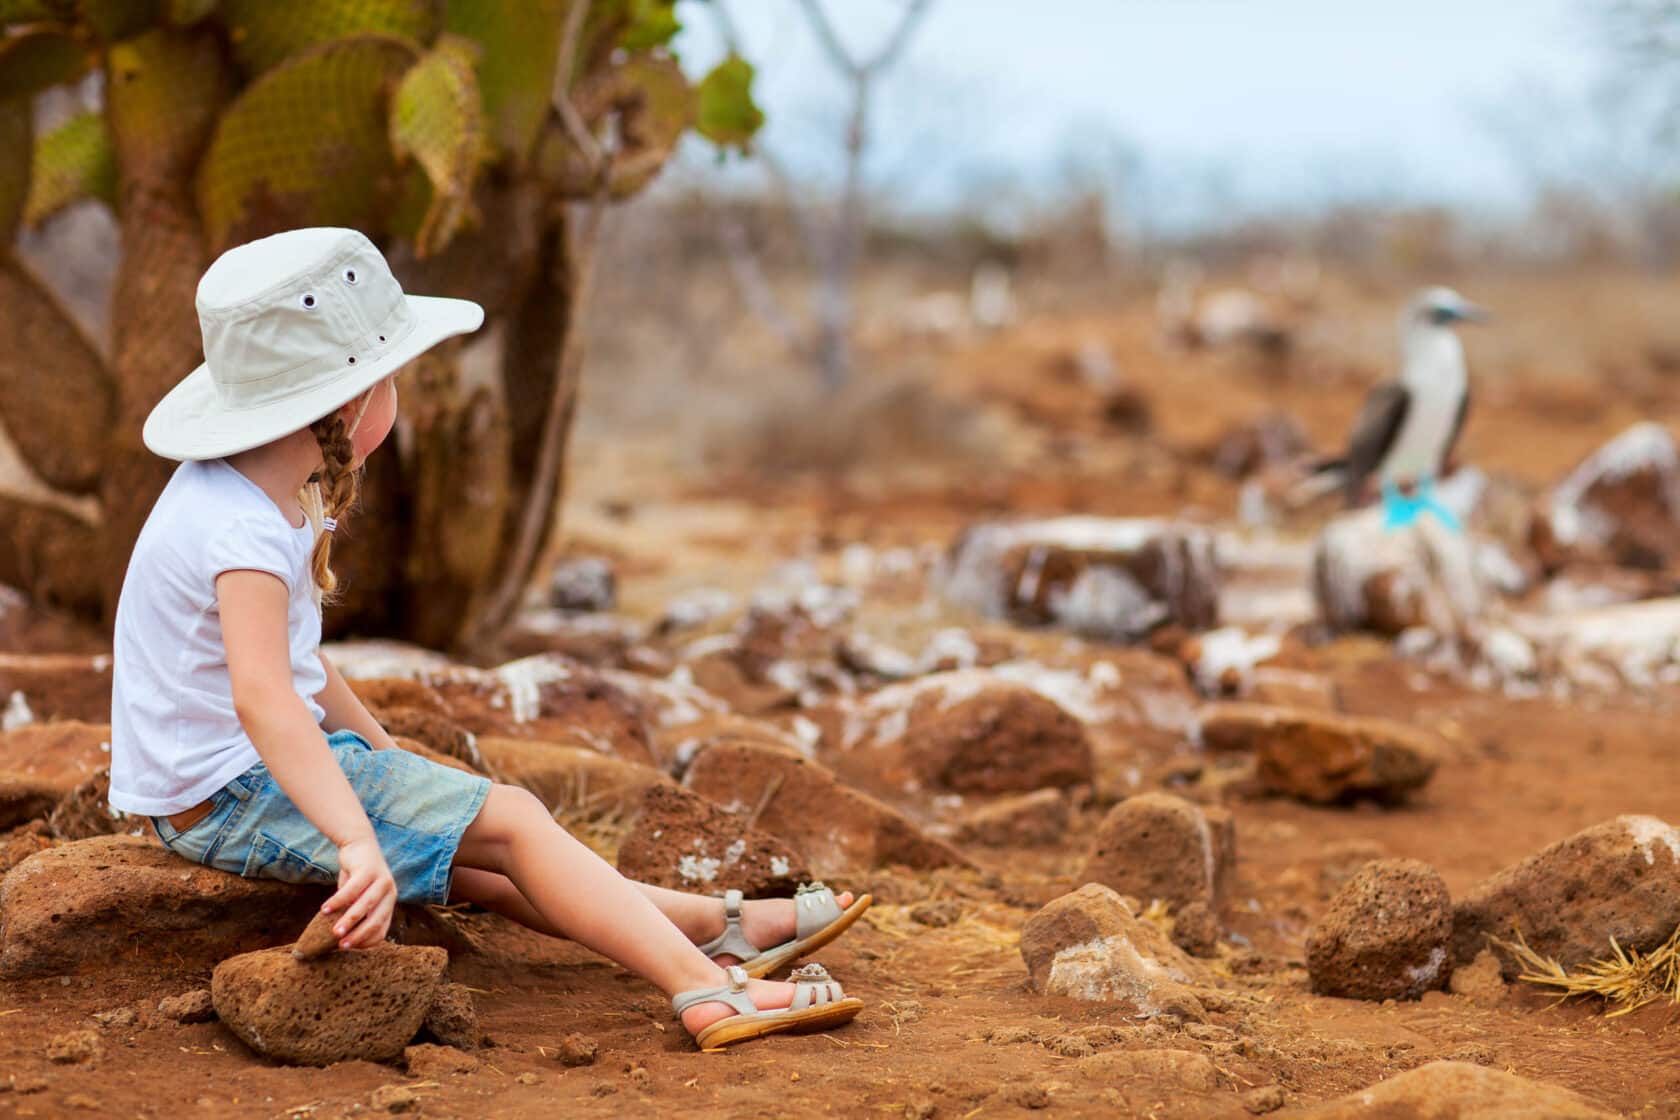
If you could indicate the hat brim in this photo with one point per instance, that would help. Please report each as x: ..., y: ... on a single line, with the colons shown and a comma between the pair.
x: 192, y: 422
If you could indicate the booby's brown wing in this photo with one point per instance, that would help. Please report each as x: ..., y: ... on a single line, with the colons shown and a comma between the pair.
x: 1373, y: 434
x: 1457, y: 430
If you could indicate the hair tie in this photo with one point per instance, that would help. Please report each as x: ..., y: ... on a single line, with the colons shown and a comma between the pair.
x: 329, y: 524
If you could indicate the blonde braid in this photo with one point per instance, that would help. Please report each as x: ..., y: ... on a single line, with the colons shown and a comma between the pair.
x: 335, y: 490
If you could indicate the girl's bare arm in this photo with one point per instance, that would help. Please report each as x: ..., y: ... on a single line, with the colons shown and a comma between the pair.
x: 345, y: 710
x: 291, y: 744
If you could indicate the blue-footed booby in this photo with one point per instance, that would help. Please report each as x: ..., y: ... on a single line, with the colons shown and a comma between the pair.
x: 1408, y: 427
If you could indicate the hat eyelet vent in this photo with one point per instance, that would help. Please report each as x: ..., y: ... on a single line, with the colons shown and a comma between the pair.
x: 352, y: 359
x: 308, y: 301
x: 349, y: 276
x: 382, y: 338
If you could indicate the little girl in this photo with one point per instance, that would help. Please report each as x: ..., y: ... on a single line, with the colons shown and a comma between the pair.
x: 249, y: 752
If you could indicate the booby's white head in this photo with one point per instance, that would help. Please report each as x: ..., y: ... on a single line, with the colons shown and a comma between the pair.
x: 1429, y: 348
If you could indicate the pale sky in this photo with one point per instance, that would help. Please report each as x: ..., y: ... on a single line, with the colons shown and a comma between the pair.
x: 1243, y: 103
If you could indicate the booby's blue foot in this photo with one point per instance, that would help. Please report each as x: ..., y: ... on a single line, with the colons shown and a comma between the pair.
x: 1399, y: 511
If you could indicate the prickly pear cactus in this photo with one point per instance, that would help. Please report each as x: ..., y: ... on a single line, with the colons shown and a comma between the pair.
x: 431, y: 125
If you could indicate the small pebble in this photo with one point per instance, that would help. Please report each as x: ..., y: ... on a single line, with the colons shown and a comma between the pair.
x: 75, y: 1046
x: 1267, y: 1098
x: 578, y: 1050
x: 395, y: 1098
x: 195, y: 1006
x: 528, y: 1079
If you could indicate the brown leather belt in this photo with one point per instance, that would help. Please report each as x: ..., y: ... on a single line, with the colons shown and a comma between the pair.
x: 186, y: 818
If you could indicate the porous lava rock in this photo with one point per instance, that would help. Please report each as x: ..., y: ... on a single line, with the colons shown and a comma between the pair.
x: 86, y: 811
x: 367, y: 1004
x: 1090, y: 945
x: 1619, y: 879
x: 123, y: 904
x: 453, y: 1018
x: 1324, y: 758
x: 678, y: 745
x: 1112, y: 578
x: 1027, y: 820
x: 1621, y: 505
x: 1386, y: 935
x: 969, y: 732
x: 838, y: 828
x: 569, y: 777
x: 317, y: 938
x: 195, y: 1006
x: 42, y: 764
x: 1159, y: 846
x: 431, y: 1061
x: 22, y: 842
x: 436, y: 731
x: 59, y: 686
x: 684, y: 841
x: 1455, y: 1091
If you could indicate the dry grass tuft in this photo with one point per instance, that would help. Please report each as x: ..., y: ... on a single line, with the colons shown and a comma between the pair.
x: 1626, y: 980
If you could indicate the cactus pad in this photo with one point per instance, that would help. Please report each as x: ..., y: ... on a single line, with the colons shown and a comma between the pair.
x: 74, y: 161
x: 36, y: 60
x: 163, y: 90
x: 437, y: 120
x: 727, y: 115
x: 650, y: 104
x: 520, y: 48
x: 306, y: 144
x: 266, y: 32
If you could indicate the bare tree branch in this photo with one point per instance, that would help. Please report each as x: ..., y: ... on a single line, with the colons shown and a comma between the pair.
x: 883, y: 58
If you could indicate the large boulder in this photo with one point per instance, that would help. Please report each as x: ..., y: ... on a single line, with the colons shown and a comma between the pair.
x: 1321, y: 757
x: 58, y: 686
x: 86, y: 811
x: 1458, y: 1091
x: 569, y: 777
x: 367, y: 1004
x: 1386, y: 934
x: 969, y: 731
x: 1090, y: 945
x: 838, y: 828
x: 1111, y: 578
x: 117, y: 902
x: 686, y: 842
x: 1621, y: 505
x: 1158, y: 846
x: 1619, y: 879
x: 1367, y: 576
x: 41, y: 764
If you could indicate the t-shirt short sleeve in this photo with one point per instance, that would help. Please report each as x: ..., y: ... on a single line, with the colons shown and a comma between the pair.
x: 255, y: 544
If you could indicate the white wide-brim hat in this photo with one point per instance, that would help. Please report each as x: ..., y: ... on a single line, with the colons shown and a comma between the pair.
x: 295, y: 326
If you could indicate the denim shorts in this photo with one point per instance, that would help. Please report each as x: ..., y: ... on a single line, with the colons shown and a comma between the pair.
x: 419, y: 811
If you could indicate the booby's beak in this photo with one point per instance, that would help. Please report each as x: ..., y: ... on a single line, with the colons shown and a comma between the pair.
x: 1470, y: 313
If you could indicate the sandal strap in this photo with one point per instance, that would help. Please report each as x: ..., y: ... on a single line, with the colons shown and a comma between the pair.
x: 733, y: 993
x: 815, y: 908
x: 731, y: 940
x: 814, y: 987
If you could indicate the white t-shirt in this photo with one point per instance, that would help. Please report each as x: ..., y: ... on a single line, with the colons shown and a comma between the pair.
x: 174, y: 736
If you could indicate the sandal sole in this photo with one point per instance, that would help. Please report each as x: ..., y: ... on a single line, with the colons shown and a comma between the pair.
x: 769, y: 961
x: 742, y: 1028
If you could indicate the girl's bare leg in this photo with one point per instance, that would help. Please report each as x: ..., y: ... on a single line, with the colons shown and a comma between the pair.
x: 765, y: 922
x: 577, y: 893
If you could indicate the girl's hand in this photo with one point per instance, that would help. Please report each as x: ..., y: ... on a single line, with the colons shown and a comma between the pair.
x: 366, y: 892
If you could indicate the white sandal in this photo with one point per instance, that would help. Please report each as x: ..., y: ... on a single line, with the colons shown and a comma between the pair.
x: 818, y: 1004
x: 819, y: 920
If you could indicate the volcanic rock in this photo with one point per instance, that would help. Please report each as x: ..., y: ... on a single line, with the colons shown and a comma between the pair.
x: 1090, y: 945
x: 1180, y: 1069
x: 1320, y: 757
x: 583, y: 583
x: 1027, y: 820
x: 1367, y: 576
x: 679, y: 744
x: 1619, y: 879
x: 75, y: 1047
x: 317, y: 938
x: 86, y: 811
x: 1386, y: 934
x: 59, y: 686
x: 1621, y: 505
x: 453, y: 1018
x: 1158, y: 846
x: 367, y: 1004
x: 41, y: 764
x: 568, y: 776
x: 684, y: 841
x: 577, y: 1050
x: 1269, y: 440
x: 436, y: 731
x: 431, y: 1061
x: 1455, y: 1090
x: 1480, y: 981
x: 195, y: 1006
x: 22, y: 842
x: 970, y: 731
x: 838, y: 828
x: 1116, y: 579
